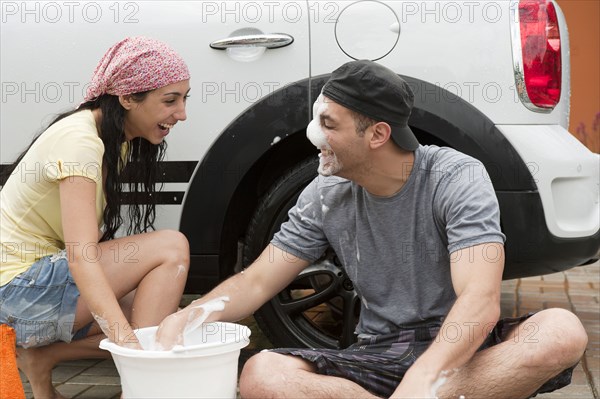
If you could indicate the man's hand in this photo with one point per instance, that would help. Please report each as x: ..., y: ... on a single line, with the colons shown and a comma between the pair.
x: 170, y: 331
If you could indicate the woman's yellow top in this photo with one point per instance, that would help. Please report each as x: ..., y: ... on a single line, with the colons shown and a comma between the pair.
x: 30, y: 213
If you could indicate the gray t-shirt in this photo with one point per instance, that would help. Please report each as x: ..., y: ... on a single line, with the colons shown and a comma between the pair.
x: 396, y: 250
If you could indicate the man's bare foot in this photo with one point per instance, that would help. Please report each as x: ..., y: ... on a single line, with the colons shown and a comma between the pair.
x: 39, y: 373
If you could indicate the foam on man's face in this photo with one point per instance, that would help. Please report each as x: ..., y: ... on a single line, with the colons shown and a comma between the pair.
x: 328, y: 162
x: 314, y: 131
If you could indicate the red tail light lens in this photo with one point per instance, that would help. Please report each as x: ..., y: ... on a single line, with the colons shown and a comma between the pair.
x: 540, y: 45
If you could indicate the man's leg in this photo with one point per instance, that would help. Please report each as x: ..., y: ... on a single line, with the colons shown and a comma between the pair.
x: 538, y: 349
x: 273, y: 375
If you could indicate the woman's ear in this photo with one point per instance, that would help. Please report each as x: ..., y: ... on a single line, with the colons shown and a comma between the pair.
x: 126, y: 102
x: 381, y: 133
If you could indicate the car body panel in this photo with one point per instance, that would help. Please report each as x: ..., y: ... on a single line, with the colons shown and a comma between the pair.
x: 249, y: 108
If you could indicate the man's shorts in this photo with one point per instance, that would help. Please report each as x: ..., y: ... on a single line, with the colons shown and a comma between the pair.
x: 39, y: 304
x: 378, y: 363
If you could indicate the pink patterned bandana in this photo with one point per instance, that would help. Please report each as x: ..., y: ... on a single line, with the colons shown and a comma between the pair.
x: 134, y: 65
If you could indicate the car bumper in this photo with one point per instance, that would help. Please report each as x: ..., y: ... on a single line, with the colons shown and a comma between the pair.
x: 566, y: 174
x: 557, y: 226
x: 531, y: 249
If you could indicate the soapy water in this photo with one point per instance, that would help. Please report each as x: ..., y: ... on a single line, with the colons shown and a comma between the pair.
x: 102, y: 323
x: 180, y: 270
x: 214, y: 305
x: 324, y: 208
x: 58, y: 256
x: 364, y: 301
x: 305, y: 207
x: 438, y: 383
x: 313, y: 131
x: 442, y: 379
x: 35, y: 340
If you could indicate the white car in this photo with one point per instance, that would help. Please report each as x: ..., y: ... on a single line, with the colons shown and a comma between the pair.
x: 491, y: 79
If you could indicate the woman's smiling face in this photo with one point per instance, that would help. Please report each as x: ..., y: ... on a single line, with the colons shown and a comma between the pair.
x: 154, y: 117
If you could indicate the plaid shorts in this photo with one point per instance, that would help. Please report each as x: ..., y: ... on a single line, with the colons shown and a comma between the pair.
x: 378, y: 363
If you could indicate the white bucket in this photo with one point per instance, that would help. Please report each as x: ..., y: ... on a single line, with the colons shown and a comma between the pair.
x: 204, y: 367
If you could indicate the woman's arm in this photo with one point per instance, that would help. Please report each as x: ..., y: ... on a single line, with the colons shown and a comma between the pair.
x: 80, y: 228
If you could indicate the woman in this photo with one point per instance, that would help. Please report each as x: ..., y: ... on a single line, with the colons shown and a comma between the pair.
x: 59, y: 273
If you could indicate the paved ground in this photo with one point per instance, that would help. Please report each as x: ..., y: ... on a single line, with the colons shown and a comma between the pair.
x: 576, y: 290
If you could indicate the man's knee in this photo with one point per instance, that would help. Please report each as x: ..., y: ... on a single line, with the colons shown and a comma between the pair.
x: 562, y: 336
x: 268, y: 373
x: 255, y: 371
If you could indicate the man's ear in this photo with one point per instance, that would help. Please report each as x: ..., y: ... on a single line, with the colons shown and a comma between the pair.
x: 381, y: 133
x: 126, y: 102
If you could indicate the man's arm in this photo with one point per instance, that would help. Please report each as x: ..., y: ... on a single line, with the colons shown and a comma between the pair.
x: 247, y: 291
x: 476, y: 276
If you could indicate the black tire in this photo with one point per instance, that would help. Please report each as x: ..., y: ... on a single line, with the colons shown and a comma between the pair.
x: 320, y: 308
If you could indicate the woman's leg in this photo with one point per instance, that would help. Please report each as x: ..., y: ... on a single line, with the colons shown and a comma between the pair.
x: 147, y: 273
x: 37, y: 363
x: 154, y: 264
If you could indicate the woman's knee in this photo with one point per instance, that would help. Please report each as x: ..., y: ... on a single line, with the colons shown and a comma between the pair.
x: 175, y: 247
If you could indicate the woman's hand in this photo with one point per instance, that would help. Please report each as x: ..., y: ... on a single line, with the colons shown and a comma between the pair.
x: 129, y: 340
x: 121, y: 334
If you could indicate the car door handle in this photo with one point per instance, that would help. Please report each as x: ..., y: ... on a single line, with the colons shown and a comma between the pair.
x: 269, y: 40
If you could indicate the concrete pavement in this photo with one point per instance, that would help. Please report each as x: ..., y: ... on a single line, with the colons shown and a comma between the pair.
x: 576, y: 290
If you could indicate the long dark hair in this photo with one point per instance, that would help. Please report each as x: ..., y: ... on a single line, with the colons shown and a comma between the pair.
x: 139, y: 164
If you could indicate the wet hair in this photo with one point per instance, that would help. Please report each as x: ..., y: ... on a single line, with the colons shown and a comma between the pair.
x: 138, y: 167
x: 361, y: 122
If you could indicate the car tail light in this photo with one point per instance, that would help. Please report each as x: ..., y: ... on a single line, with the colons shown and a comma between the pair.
x: 537, y: 53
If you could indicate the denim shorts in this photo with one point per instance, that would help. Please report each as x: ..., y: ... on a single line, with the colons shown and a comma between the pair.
x: 378, y: 363
x: 39, y: 304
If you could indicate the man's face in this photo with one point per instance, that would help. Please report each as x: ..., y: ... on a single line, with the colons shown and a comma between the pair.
x: 328, y: 162
x: 333, y: 131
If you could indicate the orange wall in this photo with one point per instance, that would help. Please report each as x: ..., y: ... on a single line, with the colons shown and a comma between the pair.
x: 583, y: 20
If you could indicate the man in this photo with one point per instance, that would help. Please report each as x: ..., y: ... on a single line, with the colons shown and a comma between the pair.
x: 417, y: 229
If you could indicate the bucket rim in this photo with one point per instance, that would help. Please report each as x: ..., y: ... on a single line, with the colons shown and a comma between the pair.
x: 200, y: 350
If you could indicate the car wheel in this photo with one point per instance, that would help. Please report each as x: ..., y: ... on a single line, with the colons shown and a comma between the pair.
x: 320, y: 307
